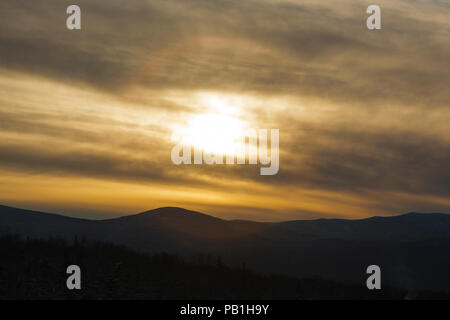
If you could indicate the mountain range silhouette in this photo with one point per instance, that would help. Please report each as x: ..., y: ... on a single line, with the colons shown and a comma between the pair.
x: 413, y: 249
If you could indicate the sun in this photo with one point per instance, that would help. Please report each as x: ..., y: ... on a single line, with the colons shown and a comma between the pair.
x: 218, y: 131
x: 214, y: 133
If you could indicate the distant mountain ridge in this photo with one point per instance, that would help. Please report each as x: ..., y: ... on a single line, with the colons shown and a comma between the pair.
x: 411, y: 248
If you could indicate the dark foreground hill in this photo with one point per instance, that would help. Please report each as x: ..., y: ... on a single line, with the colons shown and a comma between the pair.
x: 35, y: 269
x: 413, y: 250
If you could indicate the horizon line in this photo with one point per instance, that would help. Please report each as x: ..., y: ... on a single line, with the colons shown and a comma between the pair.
x: 209, y: 215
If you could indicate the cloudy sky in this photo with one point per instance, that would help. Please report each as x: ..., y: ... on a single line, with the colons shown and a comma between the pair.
x: 88, y: 117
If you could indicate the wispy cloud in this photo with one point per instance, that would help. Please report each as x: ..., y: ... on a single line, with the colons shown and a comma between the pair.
x: 363, y: 115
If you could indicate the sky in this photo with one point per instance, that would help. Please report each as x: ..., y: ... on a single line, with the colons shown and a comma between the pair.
x: 88, y: 117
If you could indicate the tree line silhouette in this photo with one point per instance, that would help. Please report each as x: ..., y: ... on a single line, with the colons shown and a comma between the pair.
x: 36, y: 269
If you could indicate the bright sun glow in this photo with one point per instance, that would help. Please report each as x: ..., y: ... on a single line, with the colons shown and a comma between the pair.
x: 218, y: 131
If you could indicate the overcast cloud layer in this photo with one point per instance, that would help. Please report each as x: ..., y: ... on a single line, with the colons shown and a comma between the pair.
x: 86, y: 117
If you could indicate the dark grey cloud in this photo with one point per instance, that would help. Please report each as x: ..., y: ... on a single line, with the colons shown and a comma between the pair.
x: 304, y: 50
x: 364, y: 161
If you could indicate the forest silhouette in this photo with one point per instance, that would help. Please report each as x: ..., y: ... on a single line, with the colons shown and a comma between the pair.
x: 36, y: 269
